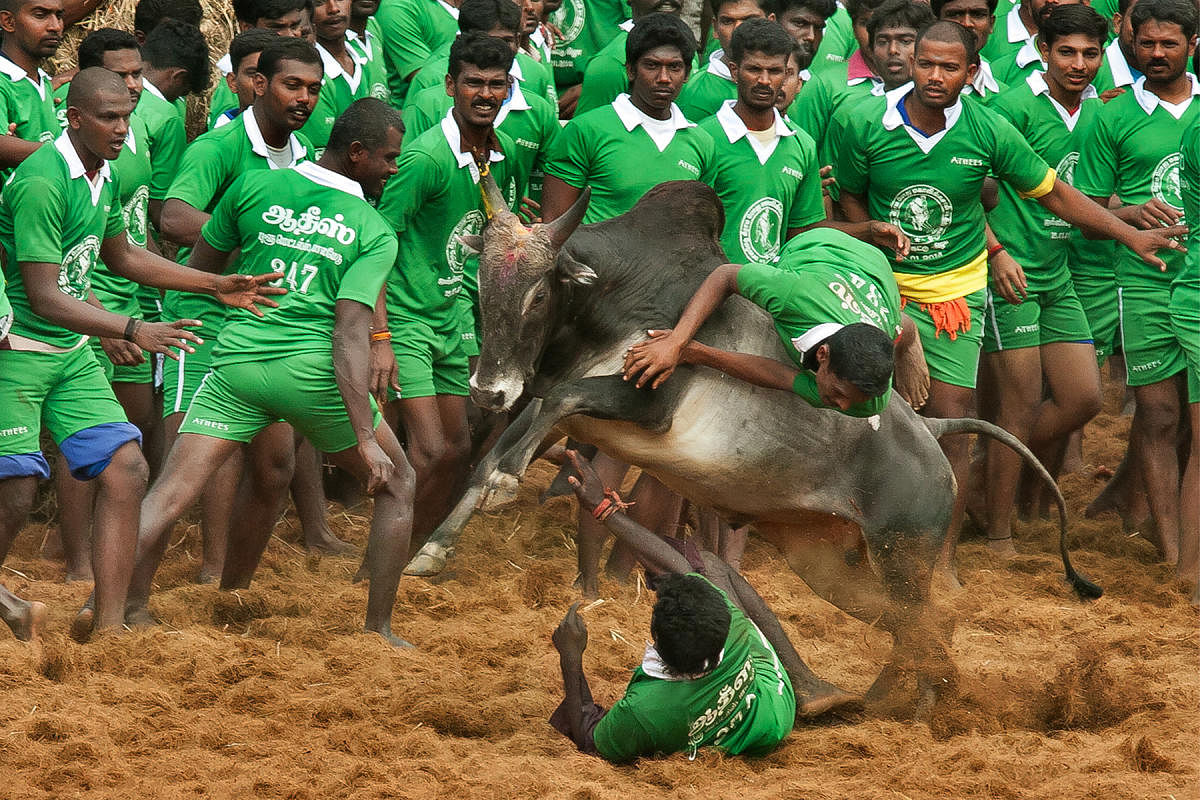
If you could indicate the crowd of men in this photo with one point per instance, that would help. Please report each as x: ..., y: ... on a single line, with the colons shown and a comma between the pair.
x: 930, y: 197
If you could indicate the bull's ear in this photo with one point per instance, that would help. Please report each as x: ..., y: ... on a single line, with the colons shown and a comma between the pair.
x: 472, y: 242
x: 574, y: 271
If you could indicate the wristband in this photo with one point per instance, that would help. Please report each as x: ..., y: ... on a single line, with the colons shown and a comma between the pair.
x: 610, y: 505
x: 993, y: 250
x: 131, y: 328
x: 381, y: 336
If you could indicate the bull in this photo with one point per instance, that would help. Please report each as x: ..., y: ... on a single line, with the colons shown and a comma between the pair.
x: 857, y: 507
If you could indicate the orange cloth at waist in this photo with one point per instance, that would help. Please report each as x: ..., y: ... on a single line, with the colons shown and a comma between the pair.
x: 949, y: 317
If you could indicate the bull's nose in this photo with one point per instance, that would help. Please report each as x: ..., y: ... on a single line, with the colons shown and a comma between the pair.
x: 488, y: 399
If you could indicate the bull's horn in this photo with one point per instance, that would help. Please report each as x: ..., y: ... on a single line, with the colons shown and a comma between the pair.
x: 493, y: 198
x: 561, y: 229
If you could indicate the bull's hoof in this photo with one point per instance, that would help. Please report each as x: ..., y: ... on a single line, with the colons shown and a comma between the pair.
x: 499, y: 491
x: 828, y: 698
x: 429, y: 561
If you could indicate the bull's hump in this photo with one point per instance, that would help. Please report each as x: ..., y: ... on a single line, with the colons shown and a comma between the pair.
x: 686, y: 209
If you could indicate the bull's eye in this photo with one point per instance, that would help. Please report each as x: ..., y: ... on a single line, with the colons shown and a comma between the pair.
x: 538, y: 299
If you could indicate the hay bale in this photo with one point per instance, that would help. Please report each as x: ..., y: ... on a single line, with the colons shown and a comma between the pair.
x: 218, y: 27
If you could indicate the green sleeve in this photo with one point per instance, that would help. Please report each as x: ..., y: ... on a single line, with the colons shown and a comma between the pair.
x: 8, y: 112
x: 37, y: 208
x: 708, y: 157
x: 770, y: 288
x: 691, y: 98
x: 808, y: 206
x: 417, y: 119
x: 1096, y: 172
x: 620, y: 736
x: 604, y: 79
x: 221, y: 230
x: 406, y: 191
x: 570, y: 157
x: 202, y: 173
x: 406, y: 42
x: 810, y: 109
x: 551, y: 130
x: 114, y: 225
x: 366, y: 276
x: 850, y: 165
x: 165, y: 154
x: 223, y: 99
x: 1013, y: 160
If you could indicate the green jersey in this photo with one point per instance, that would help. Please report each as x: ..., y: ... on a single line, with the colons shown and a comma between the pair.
x: 223, y: 103
x: 208, y: 168
x: 1038, y: 240
x: 530, y: 121
x: 338, y: 90
x: 986, y: 87
x: 837, y: 43
x: 605, y: 76
x: 744, y: 705
x: 412, y: 30
x: 117, y: 294
x: 1116, y: 71
x: 371, y: 50
x: 166, y: 138
x: 622, y: 153
x: 766, y: 187
x: 1010, y: 48
x: 1133, y: 152
x: 432, y: 200
x: 708, y: 89
x: 824, y: 281
x: 533, y: 76
x: 1189, y: 179
x: 315, y: 227
x: 28, y: 104
x: 821, y: 98
x: 929, y: 186
x: 586, y: 27
x: 51, y: 212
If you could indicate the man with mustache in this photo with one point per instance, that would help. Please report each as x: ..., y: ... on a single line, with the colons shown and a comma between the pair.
x: 345, y: 71
x: 1043, y: 339
x: 979, y: 17
x: 1014, y: 54
x: 1120, y: 68
x: 32, y: 31
x: 805, y: 21
x: 925, y: 144
x: 605, y: 76
x: 1133, y: 153
x: 710, y: 87
x: 431, y: 203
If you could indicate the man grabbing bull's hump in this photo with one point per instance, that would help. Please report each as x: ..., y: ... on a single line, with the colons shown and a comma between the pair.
x: 835, y: 306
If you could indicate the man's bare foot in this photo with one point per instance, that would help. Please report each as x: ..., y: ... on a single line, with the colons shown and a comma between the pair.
x: 81, y: 626
x: 393, y: 639
x: 911, y: 375
x: 1002, y: 547
x: 140, y: 617
x: 328, y: 544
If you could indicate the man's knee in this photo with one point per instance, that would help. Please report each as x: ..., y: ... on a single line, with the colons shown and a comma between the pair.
x: 127, y: 469
x: 401, y: 487
x: 17, y: 495
x: 1157, y: 414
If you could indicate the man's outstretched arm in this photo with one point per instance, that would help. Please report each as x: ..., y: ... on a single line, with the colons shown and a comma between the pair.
x: 577, y: 716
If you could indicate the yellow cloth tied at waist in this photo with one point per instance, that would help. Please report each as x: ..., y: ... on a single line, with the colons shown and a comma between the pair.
x: 943, y: 294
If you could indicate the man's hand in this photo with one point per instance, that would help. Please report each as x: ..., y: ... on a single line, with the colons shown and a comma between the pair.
x: 588, y: 486
x: 889, y: 237
x: 1154, y: 213
x: 1109, y: 94
x: 166, y: 337
x: 654, y: 360
x: 248, y: 291
x: 1009, y: 278
x: 570, y: 637
x: 827, y: 179
x: 379, y: 466
x: 121, y: 352
x: 383, y: 372
x: 1148, y: 242
x: 529, y: 211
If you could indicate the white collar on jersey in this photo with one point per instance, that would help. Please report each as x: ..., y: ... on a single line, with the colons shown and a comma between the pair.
x: 451, y: 10
x: 717, y: 65
x: 814, y: 336
x: 892, y: 119
x: 366, y: 41
x: 1015, y: 28
x: 1149, y: 100
x: 538, y: 39
x: 76, y: 170
x: 736, y: 129
x: 454, y: 139
x: 225, y: 64
x: 328, y: 178
x: 334, y: 69
x: 259, y: 145
x: 130, y: 141
x: 660, y: 131
x: 154, y: 90
x: 1114, y: 56
x: 16, y: 75
x: 516, y: 101
x: 985, y: 82
x: 1028, y: 54
x: 1037, y: 82
x: 626, y: 26
x: 655, y: 667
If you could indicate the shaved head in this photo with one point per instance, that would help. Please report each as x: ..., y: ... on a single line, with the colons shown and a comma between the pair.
x: 950, y: 33
x: 88, y: 84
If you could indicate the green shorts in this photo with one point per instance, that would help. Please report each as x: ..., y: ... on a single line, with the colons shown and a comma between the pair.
x: 953, y: 361
x: 469, y: 310
x: 1098, y: 296
x: 1152, y: 353
x: 429, y: 362
x: 236, y: 401
x: 67, y: 394
x: 182, y: 378
x: 1044, y: 318
x: 141, y: 373
x: 1185, y: 321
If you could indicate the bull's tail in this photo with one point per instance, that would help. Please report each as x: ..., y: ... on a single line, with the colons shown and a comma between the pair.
x: 1083, y: 586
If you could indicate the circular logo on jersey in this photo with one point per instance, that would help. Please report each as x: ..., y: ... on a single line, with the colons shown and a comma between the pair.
x: 923, y: 212
x: 456, y: 254
x: 569, y: 19
x: 759, y: 231
x: 1164, y: 183
x: 134, y: 214
x: 74, y: 274
x: 380, y: 91
x: 1066, y: 168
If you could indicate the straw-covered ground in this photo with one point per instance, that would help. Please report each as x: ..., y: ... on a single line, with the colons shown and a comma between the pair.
x: 273, y: 692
